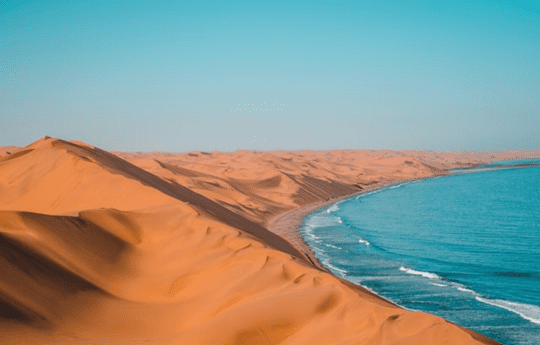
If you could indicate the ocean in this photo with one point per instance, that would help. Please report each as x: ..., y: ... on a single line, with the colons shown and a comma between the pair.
x: 465, y: 247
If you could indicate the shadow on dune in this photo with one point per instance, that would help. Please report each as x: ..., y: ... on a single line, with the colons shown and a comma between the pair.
x: 34, y: 286
x: 179, y: 192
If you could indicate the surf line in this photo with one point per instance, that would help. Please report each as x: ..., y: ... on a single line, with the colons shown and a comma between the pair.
x: 328, y: 208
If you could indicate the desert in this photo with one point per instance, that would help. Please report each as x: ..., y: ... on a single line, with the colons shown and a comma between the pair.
x: 160, y: 248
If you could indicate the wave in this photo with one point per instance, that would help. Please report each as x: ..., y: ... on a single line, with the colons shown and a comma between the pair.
x: 393, y: 186
x: 332, y: 246
x: 364, y: 242
x: 308, y: 231
x: 461, y: 288
x: 318, y: 221
x: 419, y: 273
x: 369, y: 193
x: 527, y: 311
x: 436, y: 284
x: 319, y: 253
x: 342, y: 273
x: 315, y: 221
x: 333, y: 208
x: 361, y: 281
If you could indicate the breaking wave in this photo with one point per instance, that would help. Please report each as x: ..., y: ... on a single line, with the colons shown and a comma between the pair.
x: 419, y: 273
x: 333, y: 208
x: 364, y: 242
x: 526, y: 311
x: 342, y: 273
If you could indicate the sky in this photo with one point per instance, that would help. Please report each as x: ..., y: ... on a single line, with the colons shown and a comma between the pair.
x: 181, y: 76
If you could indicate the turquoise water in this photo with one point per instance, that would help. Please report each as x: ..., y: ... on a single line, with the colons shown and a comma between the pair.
x: 465, y: 247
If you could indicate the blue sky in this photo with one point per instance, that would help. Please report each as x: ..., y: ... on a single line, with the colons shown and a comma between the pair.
x: 176, y: 76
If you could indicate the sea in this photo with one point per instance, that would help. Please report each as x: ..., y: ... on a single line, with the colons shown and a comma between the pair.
x: 465, y: 247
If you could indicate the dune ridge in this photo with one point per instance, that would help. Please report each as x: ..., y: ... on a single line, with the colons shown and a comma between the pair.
x: 126, y: 248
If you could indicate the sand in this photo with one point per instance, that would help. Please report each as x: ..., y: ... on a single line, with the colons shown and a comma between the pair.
x: 156, y: 248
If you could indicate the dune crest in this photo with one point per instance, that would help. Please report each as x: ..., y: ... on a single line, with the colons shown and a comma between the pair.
x: 55, y: 177
x: 173, y: 249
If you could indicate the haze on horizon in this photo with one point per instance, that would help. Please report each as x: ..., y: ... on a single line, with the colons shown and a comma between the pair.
x: 148, y: 76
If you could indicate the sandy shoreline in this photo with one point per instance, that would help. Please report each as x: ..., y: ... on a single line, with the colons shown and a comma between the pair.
x: 287, y: 225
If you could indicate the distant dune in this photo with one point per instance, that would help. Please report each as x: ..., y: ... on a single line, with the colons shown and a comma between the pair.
x: 8, y: 150
x: 156, y: 248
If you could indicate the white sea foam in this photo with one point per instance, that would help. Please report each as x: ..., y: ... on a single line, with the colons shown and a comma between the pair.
x: 419, y: 273
x: 312, y: 236
x: 341, y: 272
x: 362, y: 279
x: 309, y: 232
x: 321, y: 221
x: 333, y: 208
x: 364, y: 242
x: 461, y: 288
x: 526, y: 311
x: 317, y: 222
x: 368, y: 288
x: 436, y: 284
x: 332, y: 246
x: 382, y: 189
x: 369, y: 278
x: 318, y: 251
x: 369, y: 193
x: 464, y: 289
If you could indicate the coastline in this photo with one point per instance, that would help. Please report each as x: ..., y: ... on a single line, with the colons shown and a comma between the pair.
x: 287, y: 224
x: 481, y: 168
x: 297, y: 217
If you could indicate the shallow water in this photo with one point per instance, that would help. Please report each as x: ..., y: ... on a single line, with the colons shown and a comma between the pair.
x: 465, y: 247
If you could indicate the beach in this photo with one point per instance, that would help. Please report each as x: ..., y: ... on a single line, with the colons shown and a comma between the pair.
x: 194, y: 248
x: 287, y: 224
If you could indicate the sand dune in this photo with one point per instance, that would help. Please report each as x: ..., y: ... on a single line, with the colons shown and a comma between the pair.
x: 8, y: 150
x: 261, y: 185
x: 97, y: 248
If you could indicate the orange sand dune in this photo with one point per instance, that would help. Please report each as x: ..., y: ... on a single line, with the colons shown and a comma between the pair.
x: 173, y: 249
x: 260, y: 185
x: 8, y: 150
